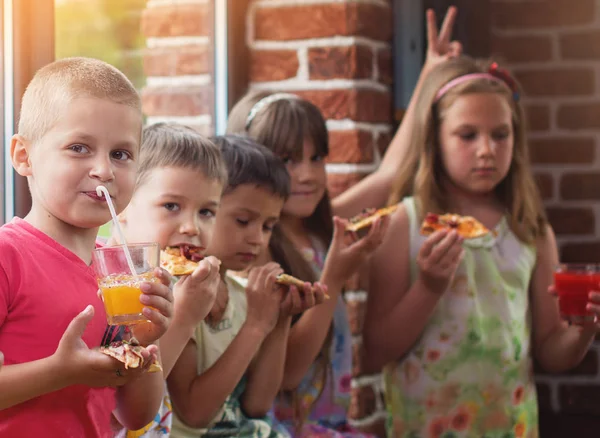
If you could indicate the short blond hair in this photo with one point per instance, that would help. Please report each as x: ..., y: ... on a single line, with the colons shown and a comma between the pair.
x: 56, y: 84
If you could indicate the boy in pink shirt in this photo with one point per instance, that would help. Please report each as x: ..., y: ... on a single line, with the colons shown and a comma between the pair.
x: 80, y: 127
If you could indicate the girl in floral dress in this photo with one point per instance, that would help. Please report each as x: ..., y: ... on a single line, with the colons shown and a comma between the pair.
x: 458, y: 321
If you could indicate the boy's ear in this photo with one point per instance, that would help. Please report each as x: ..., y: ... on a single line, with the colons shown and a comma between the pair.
x: 19, y: 154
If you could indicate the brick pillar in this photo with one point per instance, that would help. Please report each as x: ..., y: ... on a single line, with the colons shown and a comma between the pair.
x: 337, y: 54
x: 178, y: 63
x: 552, y: 47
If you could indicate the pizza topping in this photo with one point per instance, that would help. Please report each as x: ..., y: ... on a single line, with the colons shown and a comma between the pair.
x: 431, y: 217
x: 191, y: 252
x: 362, y: 215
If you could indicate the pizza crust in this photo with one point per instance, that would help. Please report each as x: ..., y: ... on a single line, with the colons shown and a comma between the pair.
x: 130, y: 354
x: 175, y: 263
x: 367, y: 218
x: 466, y: 226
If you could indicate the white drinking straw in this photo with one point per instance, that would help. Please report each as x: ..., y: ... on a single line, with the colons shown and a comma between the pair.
x: 102, y: 191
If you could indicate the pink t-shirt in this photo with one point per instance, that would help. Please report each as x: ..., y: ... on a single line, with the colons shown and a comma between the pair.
x: 43, y: 286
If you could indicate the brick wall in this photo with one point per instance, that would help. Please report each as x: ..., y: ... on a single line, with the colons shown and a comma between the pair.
x: 336, y: 54
x: 553, y: 48
x: 178, y: 63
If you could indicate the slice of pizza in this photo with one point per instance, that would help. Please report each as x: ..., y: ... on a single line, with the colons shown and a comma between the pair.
x: 129, y: 353
x: 290, y: 280
x: 368, y: 216
x: 468, y: 227
x: 180, y: 260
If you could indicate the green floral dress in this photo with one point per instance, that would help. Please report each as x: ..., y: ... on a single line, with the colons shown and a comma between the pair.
x: 470, y: 373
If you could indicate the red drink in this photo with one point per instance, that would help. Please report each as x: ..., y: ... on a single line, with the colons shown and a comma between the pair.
x: 573, y: 284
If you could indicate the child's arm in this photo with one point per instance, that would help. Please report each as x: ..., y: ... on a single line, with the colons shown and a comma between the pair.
x: 374, y: 190
x: 72, y: 363
x: 266, y: 372
x: 395, y: 306
x: 556, y: 346
x: 194, y: 297
x: 309, y: 332
x: 139, y: 400
x: 198, y: 398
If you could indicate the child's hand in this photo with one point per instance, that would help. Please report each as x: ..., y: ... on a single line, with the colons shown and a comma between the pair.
x: 347, y: 252
x: 160, y: 297
x: 439, y: 46
x: 297, y: 302
x: 438, y: 260
x: 195, y: 294
x: 1, y: 360
x: 220, y: 305
x: 264, y: 297
x: 80, y: 365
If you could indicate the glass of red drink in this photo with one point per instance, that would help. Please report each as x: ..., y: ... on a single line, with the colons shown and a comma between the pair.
x: 573, y: 283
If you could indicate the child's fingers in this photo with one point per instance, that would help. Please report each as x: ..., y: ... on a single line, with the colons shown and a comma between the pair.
x: 157, y: 289
x: 309, y: 296
x: 162, y: 305
x: 77, y: 326
x: 447, y: 25
x: 163, y: 276
x: 432, y: 35
x: 455, y: 49
x: 552, y: 291
x: 156, y: 317
x: 320, y: 293
x: 440, y: 250
x: 431, y: 242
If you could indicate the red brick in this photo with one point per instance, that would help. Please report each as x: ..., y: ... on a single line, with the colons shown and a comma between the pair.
x: 383, y: 142
x: 538, y: 117
x: 565, y: 150
x: 588, y: 252
x: 531, y: 48
x: 358, y: 352
x: 542, y: 13
x: 580, y: 45
x: 567, y: 220
x: 557, y: 82
x: 353, y: 62
x: 580, y: 398
x: 177, y: 20
x: 579, y: 116
x: 386, y: 68
x: 361, y: 105
x: 338, y: 183
x: 323, y: 20
x: 362, y: 403
x: 554, y: 425
x: 581, y: 185
x: 544, y: 396
x: 352, y: 146
x: 356, y: 316
x: 545, y: 183
x: 273, y: 65
x: 178, y: 61
x: 181, y: 101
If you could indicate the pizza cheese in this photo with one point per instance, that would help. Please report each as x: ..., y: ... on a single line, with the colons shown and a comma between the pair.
x: 180, y: 260
x: 466, y: 226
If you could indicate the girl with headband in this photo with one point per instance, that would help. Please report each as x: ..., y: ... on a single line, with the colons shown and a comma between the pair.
x: 458, y: 322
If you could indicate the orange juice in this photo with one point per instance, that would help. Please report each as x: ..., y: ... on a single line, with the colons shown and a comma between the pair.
x: 121, y: 295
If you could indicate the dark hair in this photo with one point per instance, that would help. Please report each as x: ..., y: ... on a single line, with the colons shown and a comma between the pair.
x: 283, y: 123
x: 173, y: 145
x: 248, y: 162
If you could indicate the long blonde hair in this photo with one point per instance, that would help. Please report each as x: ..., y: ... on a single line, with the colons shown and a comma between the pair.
x: 421, y: 173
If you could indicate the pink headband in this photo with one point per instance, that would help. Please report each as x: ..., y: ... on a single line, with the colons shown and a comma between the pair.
x: 469, y: 77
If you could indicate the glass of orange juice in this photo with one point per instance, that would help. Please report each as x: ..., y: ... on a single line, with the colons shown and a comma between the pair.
x: 120, y: 289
